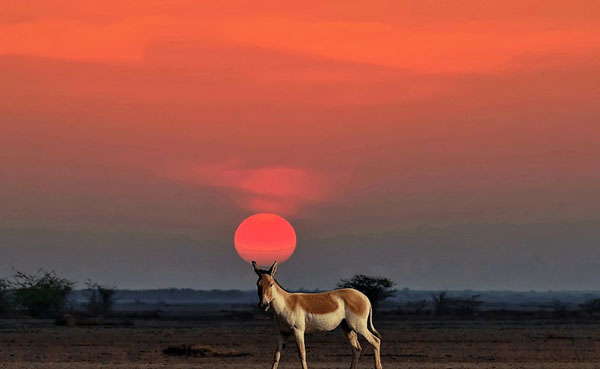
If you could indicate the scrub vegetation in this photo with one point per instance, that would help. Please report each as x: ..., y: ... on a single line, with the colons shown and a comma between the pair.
x: 46, y: 295
x: 41, y: 294
x: 101, y: 300
x: 377, y: 289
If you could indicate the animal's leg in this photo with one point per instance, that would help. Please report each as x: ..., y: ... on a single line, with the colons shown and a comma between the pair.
x: 299, y: 334
x: 373, y: 340
x: 283, y: 337
x: 353, y: 340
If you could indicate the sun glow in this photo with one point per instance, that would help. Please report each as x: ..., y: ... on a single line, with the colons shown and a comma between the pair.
x: 265, y: 238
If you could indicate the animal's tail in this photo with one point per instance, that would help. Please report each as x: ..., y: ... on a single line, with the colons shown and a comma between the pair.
x: 371, y: 323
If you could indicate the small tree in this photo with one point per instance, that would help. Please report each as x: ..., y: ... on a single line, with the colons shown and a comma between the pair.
x: 42, y: 293
x: 101, y: 298
x: 440, y: 303
x: 443, y: 304
x: 417, y: 307
x: 5, y: 300
x: 467, y: 306
x: 591, y: 306
x: 559, y: 308
x: 376, y: 289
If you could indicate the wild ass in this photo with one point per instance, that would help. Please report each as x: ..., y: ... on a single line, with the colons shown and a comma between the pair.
x: 299, y: 313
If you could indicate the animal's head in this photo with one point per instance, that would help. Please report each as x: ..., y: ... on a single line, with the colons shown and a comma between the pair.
x: 265, y: 285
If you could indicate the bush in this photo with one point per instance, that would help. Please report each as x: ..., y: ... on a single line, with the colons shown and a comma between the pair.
x: 5, y: 297
x: 41, y: 294
x: 591, y: 306
x: 417, y: 307
x: 440, y: 303
x: 376, y: 289
x: 559, y: 308
x: 101, y: 299
x: 467, y: 306
x: 444, y: 305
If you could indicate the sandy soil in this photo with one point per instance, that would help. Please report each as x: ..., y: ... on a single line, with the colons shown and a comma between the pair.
x: 425, y: 344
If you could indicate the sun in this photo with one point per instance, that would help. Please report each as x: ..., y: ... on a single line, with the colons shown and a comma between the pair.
x: 265, y: 238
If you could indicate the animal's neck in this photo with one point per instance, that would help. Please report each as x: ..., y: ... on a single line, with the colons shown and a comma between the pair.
x: 278, y: 303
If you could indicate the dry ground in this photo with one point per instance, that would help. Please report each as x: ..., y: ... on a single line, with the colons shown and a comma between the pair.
x: 425, y: 344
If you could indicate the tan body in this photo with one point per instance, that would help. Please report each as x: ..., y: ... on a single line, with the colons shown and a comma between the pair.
x: 299, y: 313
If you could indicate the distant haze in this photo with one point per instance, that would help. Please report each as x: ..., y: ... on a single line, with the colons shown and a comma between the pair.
x: 441, y: 144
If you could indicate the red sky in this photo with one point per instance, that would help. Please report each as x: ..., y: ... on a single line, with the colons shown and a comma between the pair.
x: 184, y: 117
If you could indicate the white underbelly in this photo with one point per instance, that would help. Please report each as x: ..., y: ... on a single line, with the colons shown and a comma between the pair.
x: 323, y: 322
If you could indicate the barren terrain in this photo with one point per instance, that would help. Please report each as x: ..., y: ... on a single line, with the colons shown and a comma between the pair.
x: 236, y: 343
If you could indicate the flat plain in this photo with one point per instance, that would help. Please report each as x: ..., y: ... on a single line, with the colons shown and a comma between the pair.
x: 249, y: 343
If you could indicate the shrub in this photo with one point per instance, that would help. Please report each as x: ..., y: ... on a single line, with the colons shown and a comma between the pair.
x: 41, y: 294
x: 101, y: 299
x: 559, y: 308
x: 591, y: 306
x: 376, y: 289
x: 417, y: 307
x: 444, y: 305
x: 467, y: 306
x: 440, y: 303
x: 5, y: 296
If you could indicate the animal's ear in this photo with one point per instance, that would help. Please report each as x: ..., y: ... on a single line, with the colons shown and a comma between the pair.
x: 256, y: 269
x: 273, y: 269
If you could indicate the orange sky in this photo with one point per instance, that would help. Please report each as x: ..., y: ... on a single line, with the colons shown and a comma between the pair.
x: 346, y: 117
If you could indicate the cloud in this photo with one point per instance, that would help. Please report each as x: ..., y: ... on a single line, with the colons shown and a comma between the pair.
x: 434, y: 44
x: 472, y: 47
x: 279, y: 189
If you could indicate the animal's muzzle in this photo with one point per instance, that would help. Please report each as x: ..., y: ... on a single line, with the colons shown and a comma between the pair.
x: 264, y: 306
